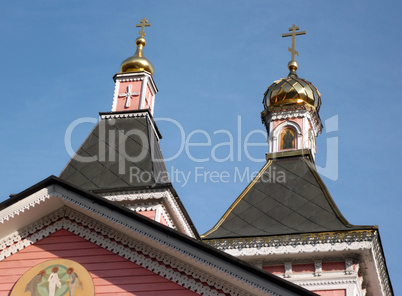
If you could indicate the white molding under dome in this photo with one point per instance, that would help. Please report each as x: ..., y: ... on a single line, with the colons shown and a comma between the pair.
x: 295, y: 113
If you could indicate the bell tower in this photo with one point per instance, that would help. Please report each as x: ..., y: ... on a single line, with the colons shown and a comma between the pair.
x: 135, y: 87
x: 291, y: 107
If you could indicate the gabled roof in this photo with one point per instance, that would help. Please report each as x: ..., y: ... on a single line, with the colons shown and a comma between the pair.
x: 286, y: 197
x: 121, y: 152
x: 223, y: 266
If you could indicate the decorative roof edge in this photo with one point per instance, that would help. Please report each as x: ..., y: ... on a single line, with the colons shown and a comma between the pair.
x: 132, y: 114
x: 367, y: 238
x: 145, y: 229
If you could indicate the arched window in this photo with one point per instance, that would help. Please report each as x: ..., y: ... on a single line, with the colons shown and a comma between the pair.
x: 288, y: 139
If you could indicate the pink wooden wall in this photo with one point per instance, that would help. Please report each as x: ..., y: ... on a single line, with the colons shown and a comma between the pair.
x: 309, y: 268
x: 148, y: 214
x: 112, y: 274
x: 331, y: 293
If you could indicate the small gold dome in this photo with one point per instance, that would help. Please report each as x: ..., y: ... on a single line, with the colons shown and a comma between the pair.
x: 292, y: 90
x: 137, y: 62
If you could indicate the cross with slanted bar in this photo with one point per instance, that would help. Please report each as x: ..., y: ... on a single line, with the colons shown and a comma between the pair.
x: 128, y: 95
x: 143, y: 23
x: 293, y: 29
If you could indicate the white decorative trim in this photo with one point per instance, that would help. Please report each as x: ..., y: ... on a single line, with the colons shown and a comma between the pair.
x: 118, y: 81
x: 317, y: 267
x: 124, y: 115
x: 115, y: 247
x: 171, y: 205
x: 296, y: 113
x: 22, y: 206
x: 145, y: 239
x: 381, y: 269
x: 115, y: 95
x: 159, y: 209
x: 288, y: 269
x: 350, y: 284
x: 118, y: 243
x: 362, y: 242
x: 349, y: 266
x: 132, y: 115
x: 298, y: 248
x: 147, y: 82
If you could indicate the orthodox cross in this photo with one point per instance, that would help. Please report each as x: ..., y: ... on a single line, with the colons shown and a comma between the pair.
x: 128, y: 95
x: 293, y: 29
x: 143, y: 23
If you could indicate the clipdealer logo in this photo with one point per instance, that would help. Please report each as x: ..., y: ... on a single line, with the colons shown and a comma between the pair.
x: 231, y: 147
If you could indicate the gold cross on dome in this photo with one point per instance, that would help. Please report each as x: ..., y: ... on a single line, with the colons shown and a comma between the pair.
x: 293, y: 29
x: 143, y: 23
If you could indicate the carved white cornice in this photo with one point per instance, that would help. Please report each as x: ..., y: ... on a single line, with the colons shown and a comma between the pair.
x: 296, y: 113
x: 287, y: 243
x: 97, y: 218
x: 314, y: 245
x: 124, y: 115
x: 166, y: 195
x: 158, y: 208
x: 381, y: 266
x: 145, y: 255
x: 132, y: 115
x: 135, y: 76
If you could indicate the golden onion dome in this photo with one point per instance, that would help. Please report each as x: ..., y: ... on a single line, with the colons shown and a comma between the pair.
x: 292, y: 90
x: 137, y: 62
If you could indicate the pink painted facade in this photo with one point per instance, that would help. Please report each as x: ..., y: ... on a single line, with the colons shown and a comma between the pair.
x: 139, y: 96
x: 331, y: 293
x: 309, y: 268
x: 302, y: 268
x: 275, y: 269
x: 152, y: 215
x: 333, y: 266
x: 299, y: 121
x: 111, y: 274
x: 163, y: 221
x: 148, y: 214
x: 134, y: 99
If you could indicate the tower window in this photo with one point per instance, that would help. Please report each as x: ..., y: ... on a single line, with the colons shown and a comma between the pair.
x: 287, y: 139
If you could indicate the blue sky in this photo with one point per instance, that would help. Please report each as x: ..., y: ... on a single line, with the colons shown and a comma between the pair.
x: 213, y: 61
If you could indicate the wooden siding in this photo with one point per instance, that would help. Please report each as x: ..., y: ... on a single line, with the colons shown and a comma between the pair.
x: 331, y: 293
x: 148, y: 214
x: 333, y: 266
x: 275, y: 269
x: 309, y: 267
x: 111, y: 274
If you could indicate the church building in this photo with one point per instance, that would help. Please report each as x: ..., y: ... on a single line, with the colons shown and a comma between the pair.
x: 112, y: 223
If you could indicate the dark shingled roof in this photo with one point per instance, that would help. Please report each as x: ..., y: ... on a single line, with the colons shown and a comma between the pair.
x: 287, y: 197
x: 125, y: 155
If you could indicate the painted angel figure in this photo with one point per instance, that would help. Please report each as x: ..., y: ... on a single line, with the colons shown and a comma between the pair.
x: 54, y: 281
x: 74, y: 282
x: 32, y: 286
